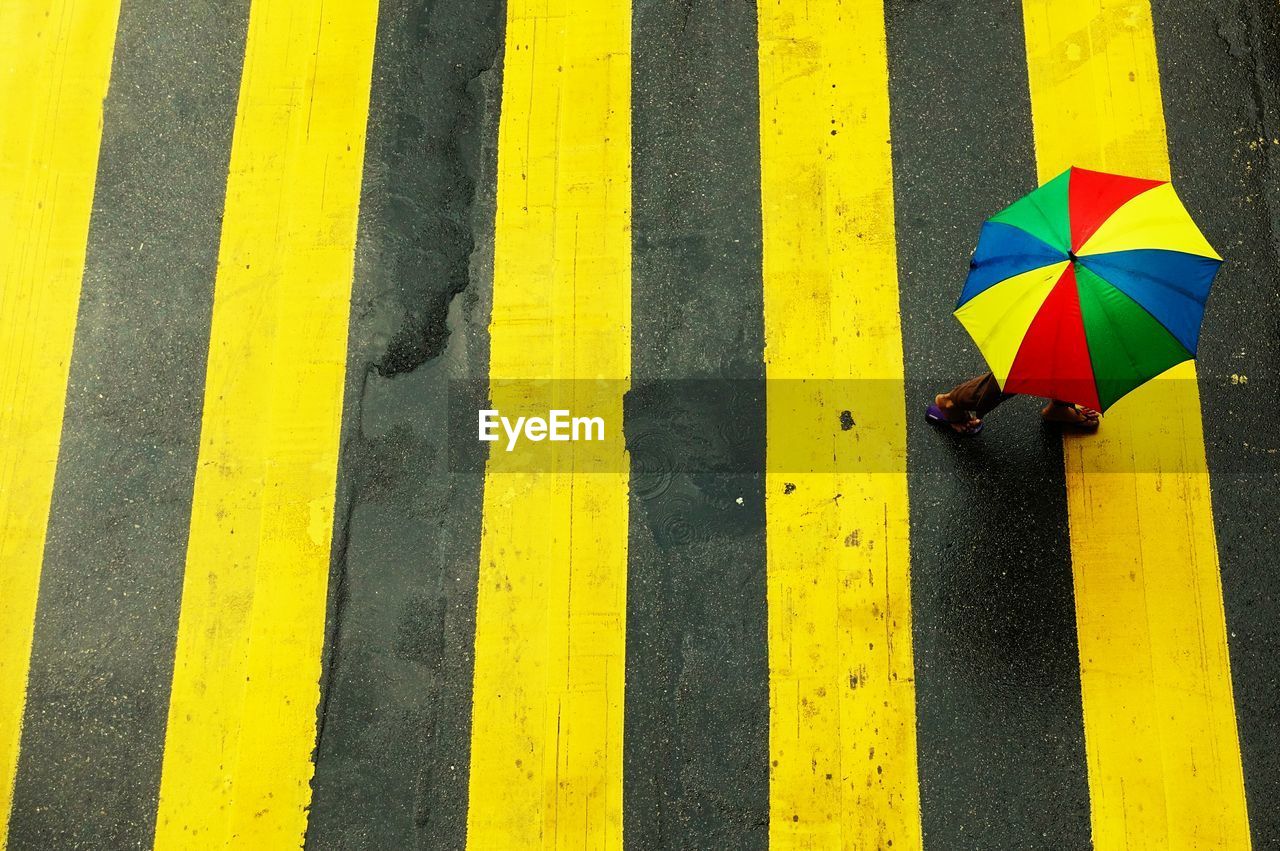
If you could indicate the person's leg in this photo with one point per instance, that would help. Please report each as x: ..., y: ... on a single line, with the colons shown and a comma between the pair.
x: 965, y: 405
x: 968, y: 402
x: 977, y: 395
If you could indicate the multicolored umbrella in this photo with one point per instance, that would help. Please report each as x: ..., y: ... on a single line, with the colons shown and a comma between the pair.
x: 1088, y: 287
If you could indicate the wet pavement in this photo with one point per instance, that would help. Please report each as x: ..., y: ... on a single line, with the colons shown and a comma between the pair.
x: 1001, y: 743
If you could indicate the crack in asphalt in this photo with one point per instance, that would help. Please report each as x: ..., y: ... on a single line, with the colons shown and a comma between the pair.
x: 424, y: 241
x: 1242, y: 27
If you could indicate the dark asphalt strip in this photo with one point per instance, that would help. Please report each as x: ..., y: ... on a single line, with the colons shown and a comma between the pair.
x: 1001, y: 741
x: 697, y: 703
x: 395, y: 714
x: 93, y: 734
x: 1220, y: 82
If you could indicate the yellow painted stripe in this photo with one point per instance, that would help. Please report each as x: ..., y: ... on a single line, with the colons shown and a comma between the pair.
x: 546, y: 741
x: 55, y: 60
x: 842, y: 695
x: 1160, y: 728
x: 242, y: 713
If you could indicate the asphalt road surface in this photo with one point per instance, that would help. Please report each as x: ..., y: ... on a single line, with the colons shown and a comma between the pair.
x: 262, y: 262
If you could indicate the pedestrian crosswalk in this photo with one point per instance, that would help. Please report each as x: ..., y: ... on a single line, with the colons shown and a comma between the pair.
x: 548, y: 754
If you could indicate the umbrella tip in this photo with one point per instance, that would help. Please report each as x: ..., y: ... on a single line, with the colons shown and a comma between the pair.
x: 1071, y: 255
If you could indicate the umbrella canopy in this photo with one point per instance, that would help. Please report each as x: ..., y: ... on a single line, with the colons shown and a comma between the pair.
x: 1088, y: 287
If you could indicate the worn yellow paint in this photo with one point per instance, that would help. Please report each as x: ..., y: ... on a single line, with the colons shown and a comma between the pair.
x: 55, y: 60
x: 546, y: 741
x: 842, y: 694
x: 237, y: 760
x: 1160, y: 728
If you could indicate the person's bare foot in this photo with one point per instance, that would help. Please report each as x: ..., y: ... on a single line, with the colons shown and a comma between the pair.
x: 1063, y: 413
x: 961, y: 422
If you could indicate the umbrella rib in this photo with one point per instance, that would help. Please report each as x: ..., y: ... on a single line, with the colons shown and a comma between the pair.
x: 1121, y: 340
x: 1018, y: 302
x: 1147, y: 311
x: 1048, y: 246
x: 1141, y: 274
x: 1111, y: 325
x: 1037, y: 238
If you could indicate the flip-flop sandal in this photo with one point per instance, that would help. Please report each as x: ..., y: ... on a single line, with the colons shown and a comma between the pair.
x: 935, y: 416
x: 1092, y: 419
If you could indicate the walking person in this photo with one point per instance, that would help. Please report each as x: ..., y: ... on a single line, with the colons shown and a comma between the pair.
x: 1080, y: 292
x: 963, y: 408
